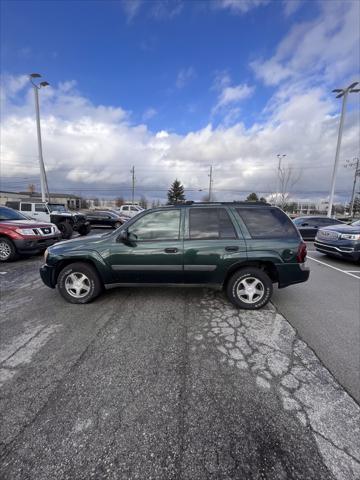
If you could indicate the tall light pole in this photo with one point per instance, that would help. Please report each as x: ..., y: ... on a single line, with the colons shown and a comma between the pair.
x: 280, y: 157
x: 341, y: 93
x: 43, y: 179
x: 210, y: 183
x: 355, y: 162
x: 132, y: 171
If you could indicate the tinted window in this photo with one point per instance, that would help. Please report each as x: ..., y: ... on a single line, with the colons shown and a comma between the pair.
x: 267, y: 223
x: 210, y: 223
x: 25, y: 207
x: 39, y: 207
x: 125, y: 208
x: 9, y: 214
x: 157, y: 226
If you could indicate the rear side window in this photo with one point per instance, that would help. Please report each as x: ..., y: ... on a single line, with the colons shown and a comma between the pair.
x: 210, y: 224
x: 26, y: 207
x: 267, y: 223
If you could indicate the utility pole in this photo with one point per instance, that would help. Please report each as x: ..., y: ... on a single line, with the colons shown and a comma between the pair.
x: 342, y: 92
x: 280, y: 157
x: 43, y: 180
x: 210, y: 183
x: 132, y: 171
x: 350, y: 164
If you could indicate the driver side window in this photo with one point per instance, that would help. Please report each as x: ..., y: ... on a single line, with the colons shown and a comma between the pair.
x: 164, y: 225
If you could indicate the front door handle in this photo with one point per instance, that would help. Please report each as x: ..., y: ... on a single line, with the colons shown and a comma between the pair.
x: 232, y: 249
x: 171, y: 250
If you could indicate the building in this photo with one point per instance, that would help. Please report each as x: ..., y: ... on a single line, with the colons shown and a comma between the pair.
x: 73, y: 202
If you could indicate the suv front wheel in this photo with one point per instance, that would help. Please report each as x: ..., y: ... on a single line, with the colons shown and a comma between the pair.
x: 249, y: 288
x: 79, y: 283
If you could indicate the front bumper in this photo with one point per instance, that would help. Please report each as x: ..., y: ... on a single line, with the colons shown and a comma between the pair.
x: 291, y: 273
x: 47, y: 274
x: 36, y: 245
x: 350, y: 250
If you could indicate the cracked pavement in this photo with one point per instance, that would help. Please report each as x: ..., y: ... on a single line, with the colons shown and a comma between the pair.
x: 163, y: 384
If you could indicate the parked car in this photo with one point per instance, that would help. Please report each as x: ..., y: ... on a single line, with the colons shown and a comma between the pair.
x: 56, y: 213
x: 101, y: 218
x: 308, y: 226
x: 129, y: 210
x: 340, y: 241
x: 19, y: 235
x: 242, y: 248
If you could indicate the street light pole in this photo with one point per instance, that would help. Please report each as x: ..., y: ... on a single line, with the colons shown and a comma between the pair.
x: 355, y: 163
x: 280, y: 157
x: 342, y: 92
x: 210, y: 183
x: 43, y: 179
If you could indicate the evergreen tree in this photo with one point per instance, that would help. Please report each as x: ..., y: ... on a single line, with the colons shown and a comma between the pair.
x: 176, y: 193
x: 252, y: 197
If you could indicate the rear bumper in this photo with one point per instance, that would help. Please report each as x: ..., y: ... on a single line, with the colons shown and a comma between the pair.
x: 291, y: 273
x: 47, y: 274
x: 349, y: 251
x: 35, y: 245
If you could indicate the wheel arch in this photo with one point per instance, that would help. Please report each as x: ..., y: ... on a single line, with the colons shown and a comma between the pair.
x: 267, y: 266
x: 68, y: 261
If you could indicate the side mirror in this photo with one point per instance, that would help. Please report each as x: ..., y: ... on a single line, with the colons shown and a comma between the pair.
x: 124, y: 236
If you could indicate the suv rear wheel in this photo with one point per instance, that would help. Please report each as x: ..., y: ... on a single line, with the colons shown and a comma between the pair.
x: 79, y: 283
x: 249, y: 288
x: 7, y: 250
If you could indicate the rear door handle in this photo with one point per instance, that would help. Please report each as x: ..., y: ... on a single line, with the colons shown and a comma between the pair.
x: 232, y: 249
x: 171, y: 250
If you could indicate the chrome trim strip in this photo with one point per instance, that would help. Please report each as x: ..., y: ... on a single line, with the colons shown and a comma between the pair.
x: 199, y: 268
x: 158, y: 268
x: 324, y: 245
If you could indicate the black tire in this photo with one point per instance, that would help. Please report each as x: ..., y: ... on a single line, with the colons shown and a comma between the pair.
x: 8, y: 251
x: 65, y: 229
x: 84, y: 230
x: 257, y: 277
x: 77, y: 269
x: 117, y: 224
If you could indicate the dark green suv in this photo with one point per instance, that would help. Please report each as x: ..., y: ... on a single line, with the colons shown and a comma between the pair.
x: 243, y: 247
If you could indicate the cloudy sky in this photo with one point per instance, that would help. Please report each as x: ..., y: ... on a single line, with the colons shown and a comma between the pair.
x: 173, y: 87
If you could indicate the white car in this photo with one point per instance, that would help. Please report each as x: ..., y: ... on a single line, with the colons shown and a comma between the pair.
x: 129, y: 210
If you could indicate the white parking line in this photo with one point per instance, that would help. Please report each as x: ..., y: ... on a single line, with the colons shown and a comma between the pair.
x: 335, y: 268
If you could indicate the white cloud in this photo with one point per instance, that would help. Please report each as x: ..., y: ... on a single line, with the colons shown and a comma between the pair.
x: 240, y: 6
x: 325, y: 47
x: 131, y: 8
x: 185, y: 76
x: 234, y: 94
x: 291, y: 6
x: 149, y: 113
x: 93, y: 147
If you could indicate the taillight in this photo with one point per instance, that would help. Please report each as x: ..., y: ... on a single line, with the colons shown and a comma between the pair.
x: 301, y: 253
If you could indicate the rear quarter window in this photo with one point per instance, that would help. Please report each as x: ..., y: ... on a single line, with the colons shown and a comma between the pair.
x: 267, y: 223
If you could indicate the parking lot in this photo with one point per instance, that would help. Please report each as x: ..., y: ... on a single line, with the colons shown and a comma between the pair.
x: 178, y: 384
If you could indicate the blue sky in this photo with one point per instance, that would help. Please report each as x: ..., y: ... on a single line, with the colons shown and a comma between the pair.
x: 243, y: 68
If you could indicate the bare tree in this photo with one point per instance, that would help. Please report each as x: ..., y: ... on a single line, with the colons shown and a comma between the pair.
x: 287, y: 178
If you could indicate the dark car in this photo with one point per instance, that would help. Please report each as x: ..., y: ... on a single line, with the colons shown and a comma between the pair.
x: 308, y: 226
x: 242, y: 248
x: 99, y: 218
x: 340, y: 241
x: 20, y: 235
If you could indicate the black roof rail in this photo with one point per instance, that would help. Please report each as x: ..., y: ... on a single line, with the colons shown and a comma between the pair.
x: 240, y: 202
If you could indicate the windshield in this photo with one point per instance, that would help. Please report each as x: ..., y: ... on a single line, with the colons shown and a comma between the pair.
x: 10, y: 214
x: 356, y: 224
x: 56, y: 207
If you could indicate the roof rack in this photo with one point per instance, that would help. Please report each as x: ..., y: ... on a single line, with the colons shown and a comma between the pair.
x: 244, y: 202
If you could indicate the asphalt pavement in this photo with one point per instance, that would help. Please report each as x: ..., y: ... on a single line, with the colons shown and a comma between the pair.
x: 163, y: 384
x: 326, y: 313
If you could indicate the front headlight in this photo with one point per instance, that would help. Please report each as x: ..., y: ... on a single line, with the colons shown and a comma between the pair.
x: 46, y: 254
x: 350, y: 236
x: 25, y: 231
